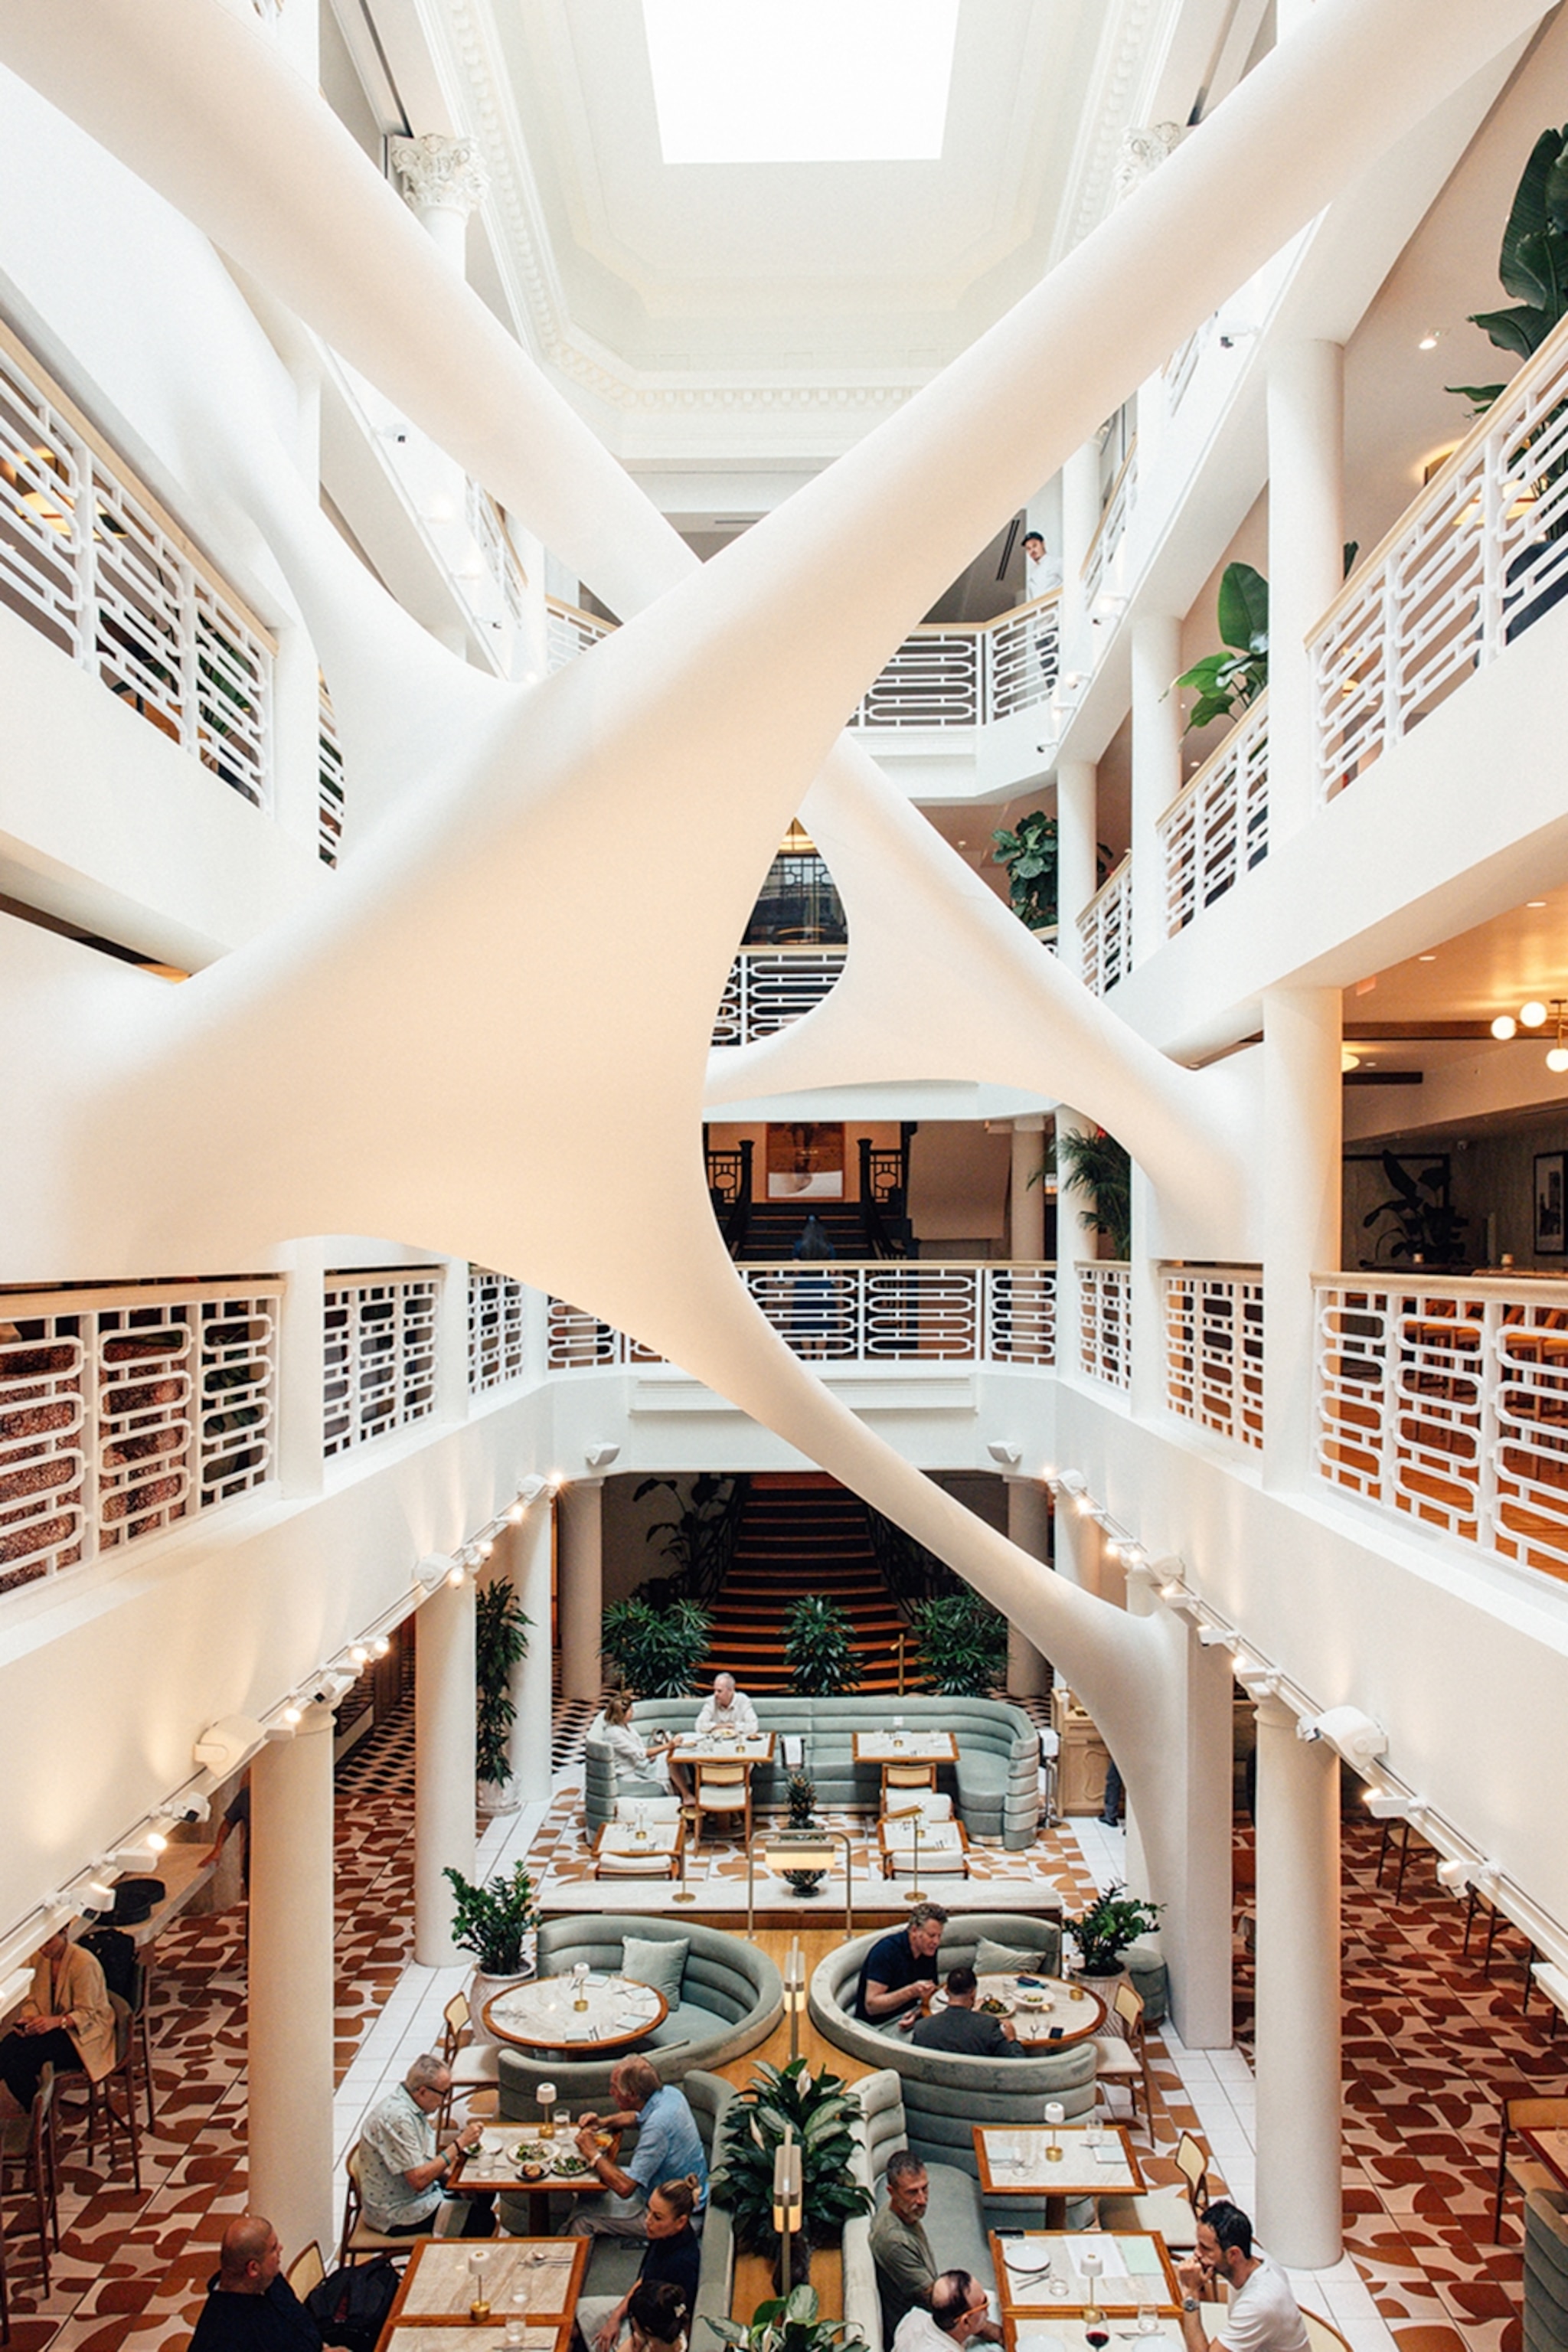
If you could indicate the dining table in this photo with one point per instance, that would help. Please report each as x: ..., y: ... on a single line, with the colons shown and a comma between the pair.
x: 1046, y: 2273
x: 1090, y: 2161
x: 531, y: 2284
x: 573, y: 2013
x: 503, y: 2160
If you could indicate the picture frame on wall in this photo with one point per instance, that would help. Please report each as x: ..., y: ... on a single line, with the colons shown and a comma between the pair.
x: 1549, y: 1239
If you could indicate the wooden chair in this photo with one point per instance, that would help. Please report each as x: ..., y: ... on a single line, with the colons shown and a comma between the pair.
x: 307, y: 2271
x: 722, y: 1788
x: 896, y: 1777
x: 1173, y: 2214
x: 359, y: 2240
x: 27, y: 2148
x: 943, y: 1842
x: 140, y: 1998
x: 616, y: 1854
x: 1523, y: 2173
x: 101, y: 2094
x: 472, y: 2069
x: 1124, y: 2062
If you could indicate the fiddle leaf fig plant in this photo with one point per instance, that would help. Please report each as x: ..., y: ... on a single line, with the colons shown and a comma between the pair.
x: 1227, y: 683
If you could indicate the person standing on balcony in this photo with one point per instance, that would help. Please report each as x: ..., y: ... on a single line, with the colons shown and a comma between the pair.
x: 812, y: 1302
x: 1042, y: 577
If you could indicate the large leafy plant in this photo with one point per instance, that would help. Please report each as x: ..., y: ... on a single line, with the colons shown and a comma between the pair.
x: 500, y: 1646
x: 790, y: 2323
x: 1100, y: 1167
x: 818, y: 1649
x: 819, y: 2112
x: 1424, y: 1224
x: 1028, y: 851
x: 657, y: 1650
x: 1113, y: 1921
x: 694, y: 1541
x: 801, y: 1790
x: 493, y: 1922
x: 1532, y: 265
x: 964, y: 1644
x: 1226, y: 683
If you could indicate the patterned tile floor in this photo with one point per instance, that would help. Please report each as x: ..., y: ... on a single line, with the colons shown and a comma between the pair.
x: 1430, y: 2044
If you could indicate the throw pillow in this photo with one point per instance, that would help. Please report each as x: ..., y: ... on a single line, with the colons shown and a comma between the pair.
x: 1007, y: 1960
x: 659, y: 1964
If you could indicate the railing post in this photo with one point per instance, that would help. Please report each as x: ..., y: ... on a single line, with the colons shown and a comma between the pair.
x: 1488, y: 1432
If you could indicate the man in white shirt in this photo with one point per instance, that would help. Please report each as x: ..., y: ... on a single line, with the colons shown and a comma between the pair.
x: 957, y: 2314
x: 1262, y: 2314
x: 729, y: 1709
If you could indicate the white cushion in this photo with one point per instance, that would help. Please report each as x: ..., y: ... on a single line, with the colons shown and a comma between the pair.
x: 630, y: 1811
x: 927, y: 1803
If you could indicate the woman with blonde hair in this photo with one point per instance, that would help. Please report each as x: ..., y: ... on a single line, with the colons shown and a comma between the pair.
x: 612, y: 1724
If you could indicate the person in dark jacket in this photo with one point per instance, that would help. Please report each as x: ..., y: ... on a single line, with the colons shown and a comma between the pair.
x: 961, y: 2028
x: 250, y: 2306
x: 674, y: 2259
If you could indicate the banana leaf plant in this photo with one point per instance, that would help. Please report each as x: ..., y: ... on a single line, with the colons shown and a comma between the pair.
x: 1227, y: 683
x: 1100, y: 1167
x: 1532, y: 265
x: 819, y: 2112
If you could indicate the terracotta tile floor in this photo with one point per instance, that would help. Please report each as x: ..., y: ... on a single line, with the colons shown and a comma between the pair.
x: 1430, y: 2045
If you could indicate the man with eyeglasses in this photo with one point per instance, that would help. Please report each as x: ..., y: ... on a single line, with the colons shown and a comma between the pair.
x: 403, y: 2174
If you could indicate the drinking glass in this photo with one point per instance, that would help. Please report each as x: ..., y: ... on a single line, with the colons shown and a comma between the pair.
x: 1148, y: 2307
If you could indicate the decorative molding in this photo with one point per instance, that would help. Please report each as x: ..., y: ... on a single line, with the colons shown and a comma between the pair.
x: 1144, y: 151
x: 440, y: 174
x: 1107, y: 110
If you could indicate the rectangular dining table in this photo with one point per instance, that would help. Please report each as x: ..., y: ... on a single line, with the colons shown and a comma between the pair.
x: 432, y: 2312
x: 490, y: 2168
x: 1040, y: 2275
x: 1014, y: 2162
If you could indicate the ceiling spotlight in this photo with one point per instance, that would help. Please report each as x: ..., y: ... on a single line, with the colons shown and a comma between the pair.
x: 360, y: 1654
x: 456, y: 1575
x: 1504, y: 1027
x: 1533, y: 1014
x: 293, y: 1714
x: 1348, y: 1060
x: 599, y: 1457
x: 1453, y: 1875
x: 1085, y: 1507
x: 485, y: 1549
x: 1429, y: 342
x: 517, y: 1512
x: 380, y: 1646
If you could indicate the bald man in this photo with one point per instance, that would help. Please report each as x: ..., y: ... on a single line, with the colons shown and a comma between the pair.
x: 250, y: 2305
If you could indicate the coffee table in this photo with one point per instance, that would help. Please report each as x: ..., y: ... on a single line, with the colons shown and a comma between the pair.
x: 544, y: 2014
x: 432, y: 2310
x: 1015, y: 2163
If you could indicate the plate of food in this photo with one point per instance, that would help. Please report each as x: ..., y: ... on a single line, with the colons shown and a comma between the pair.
x: 993, y: 2005
x: 571, y: 2168
x: 531, y: 2169
x: 1035, y: 1997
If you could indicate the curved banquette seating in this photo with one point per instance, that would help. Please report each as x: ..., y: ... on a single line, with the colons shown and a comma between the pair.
x: 729, y: 1999
x: 954, y: 2220
x: 994, y: 1785
x: 944, y: 2095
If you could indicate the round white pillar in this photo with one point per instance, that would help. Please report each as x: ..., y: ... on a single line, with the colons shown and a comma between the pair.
x: 1080, y: 521
x: 1302, y: 1150
x: 1029, y: 1526
x: 581, y: 1587
x: 531, y: 1684
x: 1078, y: 836
x: 1306, y: 408
x: 443, y: 179
x: 290, y: 2032
x: 1298, y: 2031
x: 1157, y: 768
x: 1027, y: 1212
x: 444, y: 1788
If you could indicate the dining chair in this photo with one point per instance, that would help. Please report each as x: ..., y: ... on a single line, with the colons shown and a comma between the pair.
x: 722, y: 1788
x: 474, y: 2067
x: 906, y: 1776
x: 1172, y: 2214
x: 359, y: 2240
x: 28, y: 2150
x: 1523, y: 2172
x: 306, y: 2271
x: 1122, y: 2058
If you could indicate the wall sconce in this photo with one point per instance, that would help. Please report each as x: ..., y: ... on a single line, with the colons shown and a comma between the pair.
x: 600, y: 1455
x: 1007, y: 1456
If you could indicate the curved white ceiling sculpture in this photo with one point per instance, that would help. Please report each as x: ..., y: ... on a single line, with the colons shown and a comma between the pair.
x: 454, y: 1098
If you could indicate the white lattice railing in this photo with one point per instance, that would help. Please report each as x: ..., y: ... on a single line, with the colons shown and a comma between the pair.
x: 1099, y: 564
x: 124, y: 1411
x: 378, y: 1356
x: 328, y: 781
x: 1105, y: 931
x: 934, y: 679
x: 1214, y: 1349
x: 1449, y: 1401
x: 882, y: 1311
x: 1217, y: 829
x: 569, y: 632
x: 1183, y: 366
x: 1477, y: 557
x: 90, y: 559
x: 1023, y: 655
x: 497, y: 1306
x: 501, y: 561
x: 1105, y: 1323
x: 770, y: 987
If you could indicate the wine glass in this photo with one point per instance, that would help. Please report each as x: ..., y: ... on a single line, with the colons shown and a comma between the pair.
x: 1148, y: 2307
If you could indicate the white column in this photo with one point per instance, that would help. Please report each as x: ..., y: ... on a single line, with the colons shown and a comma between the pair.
x: 532, y: 1550
x: 1298, y: 2034
x: 444, y: 1786
x: 1195, y: 1931
x: 1306, y: 558
x: 443, y: 179
x: 1302, y: 1117
x: 1029, y: 1526
x: 1157, y: 768
x: 1077, y: 838
x: 452, y: 1341
x: 301, y: 1370
x: 289, y: 2032
x: 1147, y: 1391
x: 581, y: 1589
x: 1080, y: 521
x: 1027, y: 1213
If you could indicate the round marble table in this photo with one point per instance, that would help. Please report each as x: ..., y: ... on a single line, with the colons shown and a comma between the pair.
x: 1055, y: 2006
x: 542, y: 2015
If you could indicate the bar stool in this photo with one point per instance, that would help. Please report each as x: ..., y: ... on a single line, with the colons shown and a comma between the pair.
x: 28, y: 2148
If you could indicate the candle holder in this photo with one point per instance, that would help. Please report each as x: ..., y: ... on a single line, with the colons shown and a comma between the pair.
x: 1056, y: 2114
x: 580, y: 1985
x: 1089, y: 2267
x: 545, y: 2095
x: 478, y: 2304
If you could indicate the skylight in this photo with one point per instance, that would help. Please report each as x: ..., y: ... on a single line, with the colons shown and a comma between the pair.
x: 801, y: 81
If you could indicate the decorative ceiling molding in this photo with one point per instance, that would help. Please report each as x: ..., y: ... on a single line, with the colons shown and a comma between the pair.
x: 1108, y: 115
x: 1143, y: 151
x: 440, y: 174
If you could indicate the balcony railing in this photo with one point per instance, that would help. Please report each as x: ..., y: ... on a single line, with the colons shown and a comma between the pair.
x: 1217, y: 829
x: 1447, y: 1400
x: 1214, y: 1349
x: 1477, y: 557
x: 879, y: 1312
x: 379, y: 1356
x: 1105, y: 1323
x: 1099, y: 563
x: 770, y: 987
x: 570, y: 632
x: 1181, y: 368
x: 328, y: 781
x: 503, y: 565
x: 89, y: 559
x: 1105, y: 931
x: 497, y: 1306
x: 122, y: 1411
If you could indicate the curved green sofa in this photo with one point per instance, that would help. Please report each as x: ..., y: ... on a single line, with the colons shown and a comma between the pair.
x: 732, y: 1997
x: 943, y: 2095
x: 994, y: 1785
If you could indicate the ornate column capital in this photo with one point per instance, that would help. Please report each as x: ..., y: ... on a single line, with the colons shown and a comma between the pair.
x: 1143, y: 151
x: 440, y: 174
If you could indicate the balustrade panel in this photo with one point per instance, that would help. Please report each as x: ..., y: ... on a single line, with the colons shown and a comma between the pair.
x: 497, y: 1309
x: 379, y: 1367
x: 770, y: 987
x: 1214, y: 1350
x: 1105, y: 1323
x: 932, y: 680
x: 1020, y: 1314
x: 1217, y: 829
x: 1105, y: 932
x: 1023, y: 659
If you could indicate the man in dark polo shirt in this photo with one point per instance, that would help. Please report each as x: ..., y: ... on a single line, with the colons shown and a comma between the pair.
x: 250, y: 2306
x: 896, y: 1972
x: 961, y: 2028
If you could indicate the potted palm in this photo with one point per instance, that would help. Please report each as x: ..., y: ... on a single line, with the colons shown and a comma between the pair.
x: 818, y: 2112
x: 801, y: 1790
x: 789, y: 2323
x: 818, y: 1649
x: 494, y: 1923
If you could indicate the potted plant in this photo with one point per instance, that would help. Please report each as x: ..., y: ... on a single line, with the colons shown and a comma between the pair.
x: 1102, y: 1933
x: 1227, y: 683
x: 697, y: 1541
x: 500, y: 1646
x: 1097, y: 1164
x: 1030, y: 854
x: 818, y: 1649
x: 656, y: 1649
x: 964, y: 1644
x: 819, y: 2111
x: 1425, y: 1229
x: 494, y: 1923
x: 790, y: 2323
x: 802, y: 1792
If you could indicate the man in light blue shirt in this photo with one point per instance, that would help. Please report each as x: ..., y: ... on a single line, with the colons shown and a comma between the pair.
x: 668, y: 2148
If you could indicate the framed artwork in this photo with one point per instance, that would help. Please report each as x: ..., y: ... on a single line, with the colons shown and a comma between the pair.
x: 805, y: 1161
x: 1549, y: 1203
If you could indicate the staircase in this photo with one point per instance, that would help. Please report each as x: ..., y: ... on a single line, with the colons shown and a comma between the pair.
x: 802, y: 1532
x: 774, y: 1227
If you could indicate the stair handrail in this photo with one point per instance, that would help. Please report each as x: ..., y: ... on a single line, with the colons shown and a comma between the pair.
x: 713, y: 1547
x: 910, y: 1572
